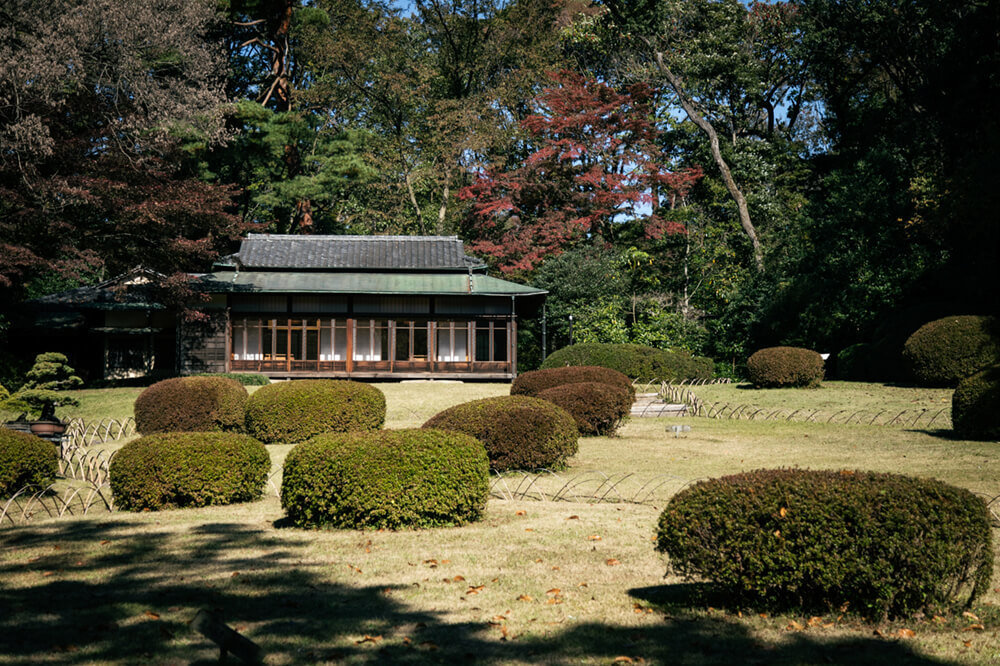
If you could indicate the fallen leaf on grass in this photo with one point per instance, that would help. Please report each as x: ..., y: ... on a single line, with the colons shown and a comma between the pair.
x: 581, y: 585
x: 554, y: 590
x: 105, y: 542
x: 906, y: 633
x: 525, y: 597
x: 975, y: 627
x: 971, y: 616
x: 48, y: 573
x: 573, y: 518
x: 354, y: 568
x: 594, y: 537
x: 528, y: 529
x: 813, y: 621
x: 623, y: 660
x: 538, y: 561
x: 554, y: 600
x: 794, y: 626
x: 431, y: 563
x: 368, y: 639
x: 476, y: 589
x: 458, y: 579
x: 612, y: 562
x: 520, y: 513
x: 151, y: 614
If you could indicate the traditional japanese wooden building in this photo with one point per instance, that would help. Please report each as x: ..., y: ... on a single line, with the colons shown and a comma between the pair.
x: 325, y: 306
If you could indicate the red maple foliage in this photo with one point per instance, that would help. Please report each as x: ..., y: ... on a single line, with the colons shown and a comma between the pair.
x: 597, y: 161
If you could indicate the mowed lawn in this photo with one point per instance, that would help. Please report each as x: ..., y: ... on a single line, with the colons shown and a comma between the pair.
x: 540, y: 582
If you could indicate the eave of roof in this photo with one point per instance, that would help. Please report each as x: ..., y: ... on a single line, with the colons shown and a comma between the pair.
x: 445, y: 284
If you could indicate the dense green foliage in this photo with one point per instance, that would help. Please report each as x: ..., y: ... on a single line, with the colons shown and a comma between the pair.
x: 183, y: 404
x: 188, y: 469
x: 598, y: 408
x: 886, y: 545
x: 519, y: 432
x: 644, y: 364
x: 387, y: 479
x: 775, y: 367
x: 975, y: 405
x: 536, y: 381
x: 944, y: 351
x: 294, y: 411
x: 244, y: 378
x: 25, y: 460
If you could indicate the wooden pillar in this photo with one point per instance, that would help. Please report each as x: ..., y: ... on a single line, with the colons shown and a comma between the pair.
x: 350, y: 345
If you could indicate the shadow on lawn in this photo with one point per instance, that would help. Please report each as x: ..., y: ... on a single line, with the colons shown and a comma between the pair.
x: 123, y: 592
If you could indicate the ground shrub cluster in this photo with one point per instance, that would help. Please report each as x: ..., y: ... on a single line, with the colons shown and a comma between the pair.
x: 886, y: 545
x: 945, y: 351
x: 387, y: 479
x: 188, y: 469
x: 295, y: 411
x: 519, y: 432
x: 535, y: 381
x: 187, y: 404
x: 776, y: 367
x: 645, y: 364
x: 25, y: 460
x: 975, y: 405
x: 597, y: 408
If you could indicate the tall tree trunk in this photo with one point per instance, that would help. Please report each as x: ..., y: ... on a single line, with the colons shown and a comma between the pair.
x: 444, y: 204
x: 713, y: 139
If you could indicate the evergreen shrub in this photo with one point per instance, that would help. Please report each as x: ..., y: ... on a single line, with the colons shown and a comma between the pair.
x: 776, y: 367
x: 25, y: 460
x: 638, y: 362
x: 597, y: 408
x: 975, y: 405
x: 534, y: 382
x: 945, y: 351
x: 294, y: 411
x: 519, y: 432
x: 188, y: 404
x: 854, y: 363
x: 188, y: 469
x: 386, y: 479
x: 884, y: 544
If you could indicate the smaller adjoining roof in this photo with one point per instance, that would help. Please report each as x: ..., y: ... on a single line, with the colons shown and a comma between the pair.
x: 130, y: 291
x: 264, y: 252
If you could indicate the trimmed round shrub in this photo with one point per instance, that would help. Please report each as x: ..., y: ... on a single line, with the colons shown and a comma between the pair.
x: 776, y: 367
x: 645, y: 364
x: 597, y: 408
x: 975, y: 405
x: 854, y: 363
x: 536, y: 381
x: 519, y: 432
x: 945, y: 351
x: 294, y: 411
x: 386, y: 479
x: 885, y: 544
x: 25, y: 460
x: 188, y: 469
x: 189, y: 404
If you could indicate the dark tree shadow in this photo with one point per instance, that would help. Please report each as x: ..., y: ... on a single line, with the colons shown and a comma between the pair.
x: 133, y: 600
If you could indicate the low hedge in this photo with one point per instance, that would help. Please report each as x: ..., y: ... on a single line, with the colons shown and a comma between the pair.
x: 975, y: 405
x: 885, y: 544
x: 945, y: 351
x: 519, y: 432
x: 645, y: 364
x: 536, y: 381
x: 598, y: 409
x: 776, y: 367
x: 244, y: 378
x: 294, y: 411
x: 387, y: 479
x: 187, y: 404
x: 188, y: 469
x: 25, y: 460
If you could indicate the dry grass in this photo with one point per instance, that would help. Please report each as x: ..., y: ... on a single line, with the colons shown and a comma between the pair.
x: 831, y: 396
x: 535, y: 582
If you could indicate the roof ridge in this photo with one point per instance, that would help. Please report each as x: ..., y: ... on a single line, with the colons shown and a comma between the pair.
x: 264, y: 236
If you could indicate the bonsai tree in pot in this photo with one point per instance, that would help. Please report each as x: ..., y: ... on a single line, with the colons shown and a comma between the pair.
x: 45, y: 388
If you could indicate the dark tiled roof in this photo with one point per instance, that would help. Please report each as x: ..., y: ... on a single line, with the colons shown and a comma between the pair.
x: 409, y: 253
x: 134, y: 290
